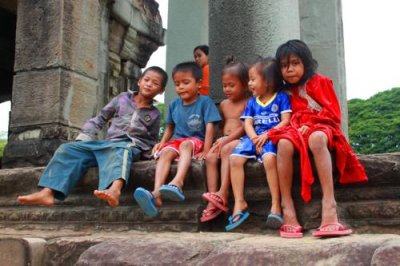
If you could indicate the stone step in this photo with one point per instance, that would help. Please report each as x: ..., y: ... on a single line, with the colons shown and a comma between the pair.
x: 172, y: 217
x: 35, y: 247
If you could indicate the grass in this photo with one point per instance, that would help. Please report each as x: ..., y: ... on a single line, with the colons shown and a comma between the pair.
x: 2, y: 145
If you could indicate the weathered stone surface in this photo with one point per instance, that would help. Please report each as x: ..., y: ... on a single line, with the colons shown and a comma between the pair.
x: 387, y: 254
x: 56, y: 94
x: 58, y: 34
x: 22, y: 251
x: 235, y: 249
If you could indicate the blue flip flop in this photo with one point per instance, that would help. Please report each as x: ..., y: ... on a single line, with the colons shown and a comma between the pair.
x: 274, y: 220
x: 172, y: 192
x: 146, y: 201
x: 243, y: 215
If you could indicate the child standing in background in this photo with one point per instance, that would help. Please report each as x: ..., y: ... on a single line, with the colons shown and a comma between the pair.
x: 135, y: 123
x: 200, y: 54
x: 234, y: 82
x: 189, y: 134
x: 315, y: 125
x: 269, y: 108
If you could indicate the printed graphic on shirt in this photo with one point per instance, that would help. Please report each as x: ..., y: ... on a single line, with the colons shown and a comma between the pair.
x: 194, y: 123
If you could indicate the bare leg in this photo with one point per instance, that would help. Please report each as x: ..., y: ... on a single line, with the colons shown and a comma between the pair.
x: 44, y: 197
x: 273, y: 182
x: 285, y: 175
x: 212, y: 174
x: 318, y: 143
x: 162, y: 171
x: 185, y: 158
x: 225, y: 169
x: 237, y: 179
x: 112, y: 194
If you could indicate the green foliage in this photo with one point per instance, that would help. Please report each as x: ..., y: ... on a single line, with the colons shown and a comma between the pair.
x: 374, y: 124
x: 161, y: 108
x: 2, y: 145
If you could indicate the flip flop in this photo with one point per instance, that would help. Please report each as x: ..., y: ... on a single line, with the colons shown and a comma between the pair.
x: 209, y: 214
x: 172, y: 192
x: 274, y: 220
x: 146, y: 201
x: 291, y: 231
x: 243, y: 215
x: 216, y: 200
x: 332, y: 230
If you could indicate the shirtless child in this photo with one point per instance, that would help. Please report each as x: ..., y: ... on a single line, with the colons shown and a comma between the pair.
x: 234, y: 81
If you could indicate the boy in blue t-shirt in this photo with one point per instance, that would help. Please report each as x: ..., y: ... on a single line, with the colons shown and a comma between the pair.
x: 188, y: 134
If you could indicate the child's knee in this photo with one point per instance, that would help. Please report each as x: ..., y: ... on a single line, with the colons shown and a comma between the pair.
x: 186, y: 145
x: 285, y: 148
x: 212, y: 158
x: 236, y: 161
x: 317, y: 141
x: 168, y: 155
x: 269, y: 161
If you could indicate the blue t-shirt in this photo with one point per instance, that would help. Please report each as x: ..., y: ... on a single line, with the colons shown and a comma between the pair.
x: 191, y: 120
x: 268, y: 115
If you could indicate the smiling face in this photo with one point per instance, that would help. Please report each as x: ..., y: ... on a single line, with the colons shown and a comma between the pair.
x: 257, y: 84
x: 292, y: 69
x: 232, y: 87
x: 150, y: 84
x: 200, y: 57
x: 186, y: 86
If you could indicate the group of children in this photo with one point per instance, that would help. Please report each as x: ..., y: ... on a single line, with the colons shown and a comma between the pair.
x: 292, y: 110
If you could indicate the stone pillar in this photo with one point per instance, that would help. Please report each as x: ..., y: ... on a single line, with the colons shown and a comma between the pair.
x: 247, y: 29
x: 187, y: 28
x: 322, y: 30
x: 55, y: 82
x: 71, y: 58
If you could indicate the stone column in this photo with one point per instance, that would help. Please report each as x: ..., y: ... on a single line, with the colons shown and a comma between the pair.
x: 247, y: 29
x: 187, y: 28
x: 56, y: 74
x: 322, y: 30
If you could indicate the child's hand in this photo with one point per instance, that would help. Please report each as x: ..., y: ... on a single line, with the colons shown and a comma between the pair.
x: 304, y: 129
x: 155, y: 149
x: 262, y: 139
x: 200, y: 155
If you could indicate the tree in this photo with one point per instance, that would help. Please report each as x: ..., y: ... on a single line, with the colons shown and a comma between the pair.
x: 374, y: 124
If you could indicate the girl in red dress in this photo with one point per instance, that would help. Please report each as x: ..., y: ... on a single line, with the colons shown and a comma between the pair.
x: 314, y: 126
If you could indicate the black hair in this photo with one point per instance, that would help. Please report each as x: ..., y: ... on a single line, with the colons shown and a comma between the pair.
x: 203, y: 48
x: 232, y: 66
x: 300, y: 49
x: 191, y: 67
x: 269, y: 69
x: 159, y: 70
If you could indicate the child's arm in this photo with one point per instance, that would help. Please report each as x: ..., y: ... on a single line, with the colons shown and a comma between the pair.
x: 249, y: 129
x: 285, y: 120
x: 92, y: 126
x: 169, y: 131
x: 207, y: 141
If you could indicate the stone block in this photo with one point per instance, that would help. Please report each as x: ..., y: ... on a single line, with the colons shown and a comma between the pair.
x: 58, y: 34
x: 59, y: 96
x: 21, y: 252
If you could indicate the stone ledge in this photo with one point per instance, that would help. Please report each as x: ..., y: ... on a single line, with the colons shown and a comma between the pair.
x: 137, y: 248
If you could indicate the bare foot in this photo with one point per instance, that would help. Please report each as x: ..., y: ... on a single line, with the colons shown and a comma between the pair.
x: 109, y: 195
x: 329, y: 213
x: 289, y: 214
x: 158, y: 200
x: 45, y: 197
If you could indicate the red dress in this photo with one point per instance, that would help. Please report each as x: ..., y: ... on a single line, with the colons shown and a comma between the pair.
x: 316, y: 106
x: 205, y: 87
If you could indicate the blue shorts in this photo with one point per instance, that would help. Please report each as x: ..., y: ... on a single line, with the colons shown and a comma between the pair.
x: 246, y: 149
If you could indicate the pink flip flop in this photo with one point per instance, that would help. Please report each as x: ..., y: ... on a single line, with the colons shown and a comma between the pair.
x: 216, y: 200
x: 332, y: 230
x: 210, y: 213
x: 291, y: 231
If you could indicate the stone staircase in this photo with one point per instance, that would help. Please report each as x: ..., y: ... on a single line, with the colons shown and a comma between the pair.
x: 367, y: 208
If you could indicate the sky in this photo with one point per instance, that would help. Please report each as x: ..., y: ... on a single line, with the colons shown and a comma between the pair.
x: 371, y: 42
